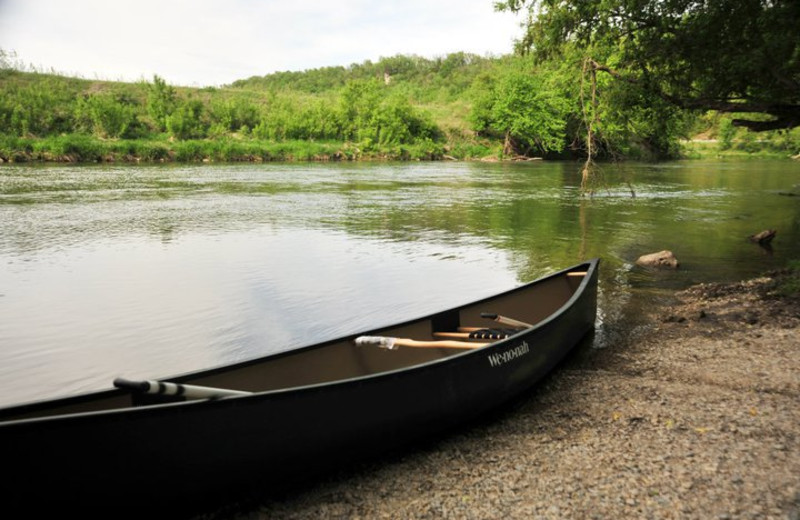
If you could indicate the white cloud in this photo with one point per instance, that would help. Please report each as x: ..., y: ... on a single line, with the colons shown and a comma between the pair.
x: 208, y: 42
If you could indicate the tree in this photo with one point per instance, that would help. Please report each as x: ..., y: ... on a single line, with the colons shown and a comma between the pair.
x: 735, y: 56
x: 523, y: 107
x: 358, y: 104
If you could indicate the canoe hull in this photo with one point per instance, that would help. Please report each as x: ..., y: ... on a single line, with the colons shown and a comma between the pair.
x: 190, y: 455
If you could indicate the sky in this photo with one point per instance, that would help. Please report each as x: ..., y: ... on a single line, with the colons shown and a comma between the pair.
x: 215, y: 42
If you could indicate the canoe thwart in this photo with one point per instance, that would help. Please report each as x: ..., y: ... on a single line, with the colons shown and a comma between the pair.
x: 175, y: 389
x: 505, y: 320
x: 390, y: 343
x: 577, y: 273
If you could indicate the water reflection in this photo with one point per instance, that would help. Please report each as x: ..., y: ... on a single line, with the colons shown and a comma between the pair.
x: 152, y: 271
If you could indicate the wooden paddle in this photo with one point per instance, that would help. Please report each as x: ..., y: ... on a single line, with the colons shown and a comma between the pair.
x: 454, y: 335
x: 164, y: 388
x: 393, y: 343
x: 511, y: 322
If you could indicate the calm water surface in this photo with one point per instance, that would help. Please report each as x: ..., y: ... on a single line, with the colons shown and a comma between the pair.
x: 152, y: 271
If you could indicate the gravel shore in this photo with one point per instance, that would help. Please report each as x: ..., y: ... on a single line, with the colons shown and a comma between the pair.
x: 697, y: 418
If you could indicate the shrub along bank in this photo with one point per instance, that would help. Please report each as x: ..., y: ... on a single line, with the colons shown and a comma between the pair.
x: 460, y: 106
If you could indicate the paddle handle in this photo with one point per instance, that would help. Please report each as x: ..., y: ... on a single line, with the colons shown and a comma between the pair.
x: 165, y: 388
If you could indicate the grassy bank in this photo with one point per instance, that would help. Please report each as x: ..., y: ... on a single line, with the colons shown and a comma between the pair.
x: 78, y: 148
x: 712, y: 149
x: 400, y: 108
x: 418, y: 112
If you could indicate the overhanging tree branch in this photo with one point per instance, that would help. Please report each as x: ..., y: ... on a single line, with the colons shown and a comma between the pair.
x: 786, y: 116
x: 733, y: 56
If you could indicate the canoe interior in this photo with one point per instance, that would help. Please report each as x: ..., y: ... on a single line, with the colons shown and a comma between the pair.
x: 341, y: 359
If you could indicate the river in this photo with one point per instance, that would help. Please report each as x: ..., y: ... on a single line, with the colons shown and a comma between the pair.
x: 151, y: 271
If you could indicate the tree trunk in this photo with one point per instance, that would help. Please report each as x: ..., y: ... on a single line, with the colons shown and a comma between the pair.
x: 508, y: 147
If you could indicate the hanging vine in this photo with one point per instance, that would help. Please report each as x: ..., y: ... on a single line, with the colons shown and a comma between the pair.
x: 591, y: 120
x: 591, y: 174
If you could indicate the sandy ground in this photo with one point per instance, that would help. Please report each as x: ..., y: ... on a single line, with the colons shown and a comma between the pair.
x: 698, y: 418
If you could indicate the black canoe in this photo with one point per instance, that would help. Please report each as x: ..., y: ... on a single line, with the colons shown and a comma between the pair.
x: 290, y: 415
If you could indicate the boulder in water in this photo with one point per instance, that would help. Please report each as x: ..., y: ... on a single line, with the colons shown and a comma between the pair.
x: 662, y: 260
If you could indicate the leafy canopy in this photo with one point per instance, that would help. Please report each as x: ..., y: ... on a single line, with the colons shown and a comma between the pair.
x: 737, y: 56
x: 521, y: 105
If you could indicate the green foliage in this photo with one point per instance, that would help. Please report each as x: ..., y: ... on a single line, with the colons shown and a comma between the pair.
x: 526, y: 110
x: 375, y: 105
x: 442, y: 77
x: 105, y: 115
x: 317, y: 120
x: 739, y: 56
x: 400, y: 107
x: 234, y: 114
x: 636, y: 124
x: 77, y: 147
x: 292, y: 117
x: 14, y: 149
x: 161, y: 102
x: 371, y: 113
x: 357, y: 107
x: 364, y: 111
x: 397, y: 122
x: 785, y: 140
x: 522, y: 105
x: 726, y: 132
x: 186, y: 121
x: 41, y: 107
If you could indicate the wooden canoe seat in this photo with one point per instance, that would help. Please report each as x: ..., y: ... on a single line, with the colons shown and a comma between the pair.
x: 512, y: 326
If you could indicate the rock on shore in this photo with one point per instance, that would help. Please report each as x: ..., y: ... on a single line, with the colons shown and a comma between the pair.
x: 699, y: 418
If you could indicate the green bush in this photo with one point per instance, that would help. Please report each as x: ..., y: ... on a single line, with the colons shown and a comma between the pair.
x: 36, y: 108
x: 186, y: 122
x: 161, y: 102
x: 105, y: 115
x: 234, y: 114
x: 726, y: 132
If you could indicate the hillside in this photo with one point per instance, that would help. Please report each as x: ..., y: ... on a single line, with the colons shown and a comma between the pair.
x: 403, y: 107
x: 458, y: 106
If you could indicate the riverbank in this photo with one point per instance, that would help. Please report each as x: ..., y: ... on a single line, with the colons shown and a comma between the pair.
x: 85, y: 149
x: 697, y: 418
x: 700, y: 149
